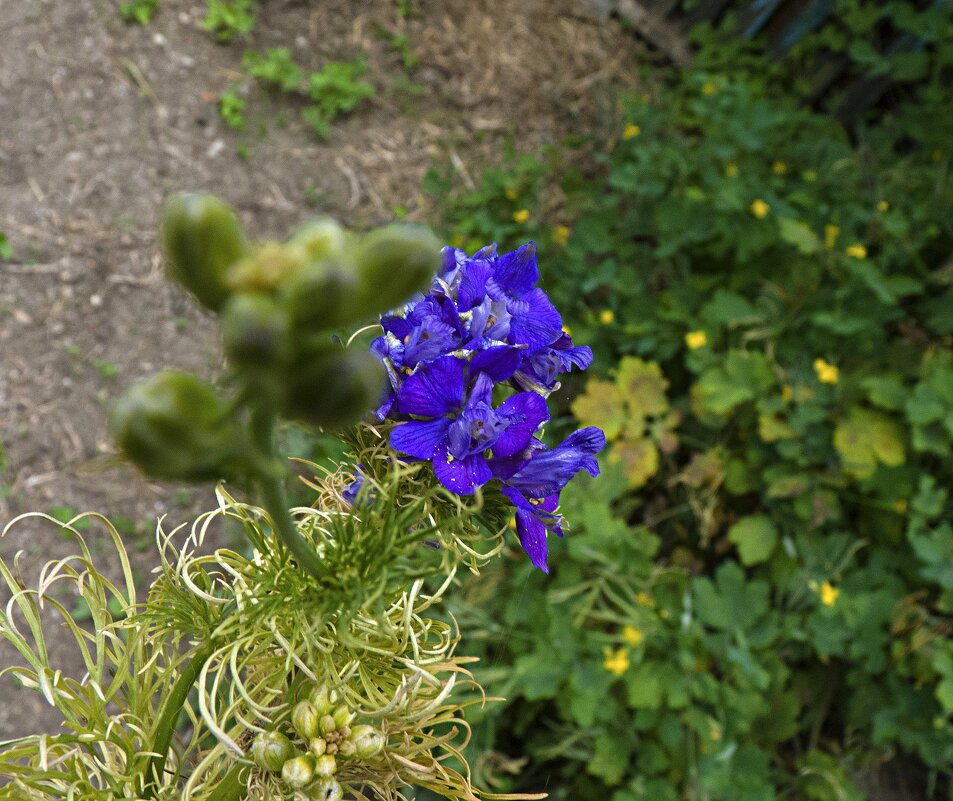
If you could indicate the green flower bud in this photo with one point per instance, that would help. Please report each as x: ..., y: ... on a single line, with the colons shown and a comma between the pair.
x: 368, y: 741
x: 326, y: 789
x: 347, y: 748
x: 174, y: 426
x: 324, y: 699
x: 298, y: 772
x: 320, y: 295
x: 305, y: 720
x: 202, y: 238
x: 320, y: 238
x: 342, y: 717
x: 270, y: 750
x: 254, y: 330
x: 394, y: 262
x: 267, y: 268
x: 317, y: 746
x: 325, y: 766
x: 327, y: 724
x: 330, y: 387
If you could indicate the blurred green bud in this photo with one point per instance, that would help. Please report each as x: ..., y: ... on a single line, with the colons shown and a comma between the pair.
x: 393, y: 263
x: 326, y: 789
x: 325, y: 766
x: 324, y: 699
x: 327, y: 725
x: 320, y: 295
x: 320, y: 239
x: 342, y: 717
x: 270, y: 750
x: 368, y: 741
x: 305, y: 720
x: 267, y: 268
x: 317, y: 746
x: 254, y: 330
x: 330, y: 387
x: 298, y: 772
x: 174, y: 426
x: 202, y: 238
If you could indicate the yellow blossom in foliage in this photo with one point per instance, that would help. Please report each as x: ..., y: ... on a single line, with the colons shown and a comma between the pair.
x: 828, y: 593
x: 731, y: 169
x: 779, y: 168
x: 826, y: 373
x: 900, y: 506
x: 561, y: 235
x: 715, y: 732
x: 831, y: 232
x: 760, y: 209
x: 631, y: 131
x: 607, y: 317
x: 696, y: 339
x: 616, y: 662
x: 512, y: 193
x: 709, y: 89
x: 787, y: 393
x: 857, y: 251
x: 521, y: 216
x: 633, y: 636
x: 883, y: 205
x: 644, y: 599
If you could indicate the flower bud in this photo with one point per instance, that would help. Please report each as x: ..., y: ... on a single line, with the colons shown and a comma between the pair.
x: 270, y: 750
x: 325, y: 766
x: 317, y: 746
x: 393, y: 262
x: 324, y: 699
x: 327, y: 724
x: 305, y: 720
x: 368, y: 742
x: 202, y: 238
x: 254, y: 330
x: 346, y: 748
x: 320, y: 238
x: 266, y: 269
x: 321, y: 295
x: 174, y: 426
x: 330, y: 387
x: 326, y: 789
x: 298, y: 772
x: 342, y: 717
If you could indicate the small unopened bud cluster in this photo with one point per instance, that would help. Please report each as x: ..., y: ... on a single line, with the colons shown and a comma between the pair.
x: 324, y: 727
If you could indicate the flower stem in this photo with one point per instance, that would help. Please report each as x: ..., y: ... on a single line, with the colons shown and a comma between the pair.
x: 231, y: 787
x: 168, y: 718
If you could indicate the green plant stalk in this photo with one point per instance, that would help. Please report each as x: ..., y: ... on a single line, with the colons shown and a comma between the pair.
x: 167, y: 720
x: 230, y: 788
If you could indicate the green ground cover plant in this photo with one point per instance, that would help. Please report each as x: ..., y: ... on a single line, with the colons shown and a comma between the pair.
x: 757, y: 604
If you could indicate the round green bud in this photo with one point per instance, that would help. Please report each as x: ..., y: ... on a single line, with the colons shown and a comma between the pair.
x: 324, y: 699
x: 326, y: 789
x: 317, y: 746
x: 174, y: 426
x: 342, y: 717
x: 320, y: 295
x: 320, y: 238
x: 202, y: 238
x: 393, y: 263
x: 347, y: 748
x: 267, y: 269
x: 330, y: 387
x: 254, y: 331
x: 270, y: 750
x: 305, y: 720
x: 298, y: 772
x: 325, y: 765
x: 368, y: 741
x: 327, y: 724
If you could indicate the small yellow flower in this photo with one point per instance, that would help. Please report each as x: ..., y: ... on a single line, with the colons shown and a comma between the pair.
x: 644, y: 599
x: 857, y: 251
x: 512, y: 193
x: 696, y: 339
x: 561, y: 235
x: 631, y: 131
x: 883, y: 205
x: 826, y: 373
x: 900, y: 506
x: 632, y: 636
x: 607, y: 317
x: 828, y: 593
x: 731, y: 169
x: 787, y: 393
x: 760, y: 209
x: 779, y: 168
x: 457, y: 240
x: 616, y: 662
x: 831, y: 232
x: 709, y: 89
x: 521, y: 216
x: 715, y: 732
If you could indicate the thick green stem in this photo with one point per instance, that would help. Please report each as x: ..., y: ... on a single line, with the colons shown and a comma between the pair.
x: 232, y: 787
x: 168, y: 718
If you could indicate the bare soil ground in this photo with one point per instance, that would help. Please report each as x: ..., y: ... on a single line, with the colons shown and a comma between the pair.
x: 99, y: 121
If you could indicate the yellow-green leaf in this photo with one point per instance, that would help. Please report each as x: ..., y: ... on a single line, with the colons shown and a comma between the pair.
x: 601, y: 405
x: 772, y: 428
x: 643, y: 386
x: 867, y: 438
x: 756, y: 538
x: 639, y: 458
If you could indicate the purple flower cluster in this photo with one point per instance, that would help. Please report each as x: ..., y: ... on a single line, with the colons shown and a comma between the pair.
x: 485, y: 323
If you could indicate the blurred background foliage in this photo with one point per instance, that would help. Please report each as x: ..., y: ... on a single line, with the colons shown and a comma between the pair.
x: 756, y: 598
